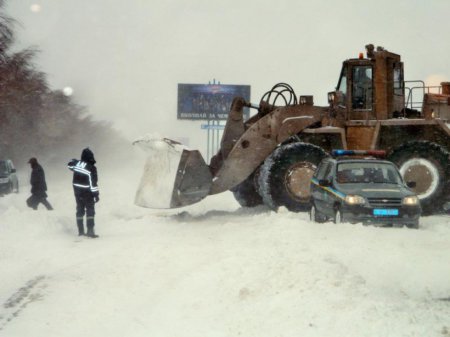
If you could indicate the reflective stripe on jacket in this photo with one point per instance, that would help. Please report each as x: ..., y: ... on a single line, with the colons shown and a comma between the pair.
x: 84, y: 176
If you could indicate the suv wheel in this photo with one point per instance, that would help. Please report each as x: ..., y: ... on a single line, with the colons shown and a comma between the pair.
x: 315, y: 215
x: 413, y: 225
x: 337, y: 216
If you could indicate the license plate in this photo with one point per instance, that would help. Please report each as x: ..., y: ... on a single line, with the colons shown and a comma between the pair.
x: 385, y: 212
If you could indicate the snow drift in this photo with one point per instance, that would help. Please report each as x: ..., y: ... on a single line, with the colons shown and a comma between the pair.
x: 214, y: 269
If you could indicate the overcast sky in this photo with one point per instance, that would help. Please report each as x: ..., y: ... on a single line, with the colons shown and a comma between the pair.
x: 124, y: 59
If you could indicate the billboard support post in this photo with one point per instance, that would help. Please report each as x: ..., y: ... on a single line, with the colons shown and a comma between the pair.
x: 210, y: 102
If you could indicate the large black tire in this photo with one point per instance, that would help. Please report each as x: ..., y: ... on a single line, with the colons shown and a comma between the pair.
x: 285, y: 176
x: 426, y: 163
x: 246, y: 193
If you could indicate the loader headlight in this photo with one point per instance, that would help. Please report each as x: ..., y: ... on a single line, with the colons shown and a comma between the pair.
x: 331, y: 97
x: 410, y: 201
x: 354, y: 200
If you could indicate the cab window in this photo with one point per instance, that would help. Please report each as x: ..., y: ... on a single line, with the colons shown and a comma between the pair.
x: 342, y: 87
x: 398, y: 79
x: 362, y: 88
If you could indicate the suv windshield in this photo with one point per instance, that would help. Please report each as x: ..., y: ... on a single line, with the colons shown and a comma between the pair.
x: 3, y: 167
x: 367, y: 172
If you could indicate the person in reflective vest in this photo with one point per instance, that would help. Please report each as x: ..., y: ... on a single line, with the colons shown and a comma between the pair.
x: 86, y: 191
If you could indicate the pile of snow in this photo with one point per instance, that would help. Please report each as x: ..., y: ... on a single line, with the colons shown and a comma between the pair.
x: 214, y: 269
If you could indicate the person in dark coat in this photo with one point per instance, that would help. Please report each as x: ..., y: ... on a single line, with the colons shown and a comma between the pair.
x: 38, y: 186
x: 86, y: 190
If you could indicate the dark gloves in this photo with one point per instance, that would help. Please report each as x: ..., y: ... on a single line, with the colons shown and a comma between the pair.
x: 72, y: 162
x: 96, y: 198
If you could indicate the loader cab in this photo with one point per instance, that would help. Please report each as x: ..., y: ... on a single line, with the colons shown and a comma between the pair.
x: 356, y: 87
x: 371, y: 88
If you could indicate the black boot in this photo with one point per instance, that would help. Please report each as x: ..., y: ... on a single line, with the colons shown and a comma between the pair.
x: 80, y: 227
x: 90, y: 227
x: 91, y: 233
x: 47, y: 205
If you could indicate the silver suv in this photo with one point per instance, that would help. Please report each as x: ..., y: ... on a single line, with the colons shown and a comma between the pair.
x: 8, y: 178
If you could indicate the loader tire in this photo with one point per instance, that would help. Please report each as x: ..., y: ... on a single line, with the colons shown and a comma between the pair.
x: 246, y: 193
x: 285, y: 176
x: 426, y: 163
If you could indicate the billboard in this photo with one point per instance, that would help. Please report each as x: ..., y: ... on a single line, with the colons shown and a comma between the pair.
x: 209, y: 101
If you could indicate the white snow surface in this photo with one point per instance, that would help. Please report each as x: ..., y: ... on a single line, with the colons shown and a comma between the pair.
x: 214, y: 269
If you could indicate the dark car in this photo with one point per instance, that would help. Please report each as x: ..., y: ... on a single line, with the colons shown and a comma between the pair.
x: 8, y: 179
x: 362, y: 189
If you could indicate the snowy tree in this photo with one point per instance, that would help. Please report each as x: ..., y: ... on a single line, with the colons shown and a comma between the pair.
x: 34, y: 120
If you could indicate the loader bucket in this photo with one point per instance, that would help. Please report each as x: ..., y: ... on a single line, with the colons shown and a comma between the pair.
x: 173, y: 175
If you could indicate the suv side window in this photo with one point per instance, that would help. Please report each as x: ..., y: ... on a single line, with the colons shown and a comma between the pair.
x: 329, y: 172
x: 322, y: 169
x: 11, y: 166
x: 3, y: 166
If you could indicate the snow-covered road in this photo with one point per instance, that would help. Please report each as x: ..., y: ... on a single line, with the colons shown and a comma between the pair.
x: 215, y: 269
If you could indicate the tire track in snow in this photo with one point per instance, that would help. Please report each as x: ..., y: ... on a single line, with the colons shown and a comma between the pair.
x: 18, y: 301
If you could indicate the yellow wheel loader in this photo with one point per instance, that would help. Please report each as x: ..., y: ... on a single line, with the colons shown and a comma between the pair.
x: 271, y: 157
